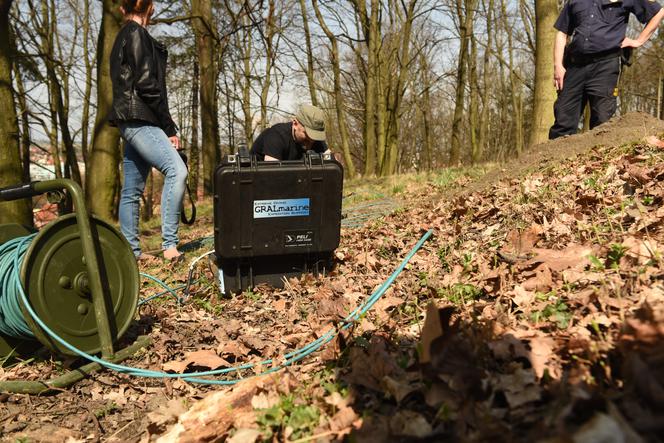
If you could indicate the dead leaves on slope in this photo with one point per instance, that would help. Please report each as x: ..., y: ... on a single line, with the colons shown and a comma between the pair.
x: 561, y: 261
x: 532, y: 329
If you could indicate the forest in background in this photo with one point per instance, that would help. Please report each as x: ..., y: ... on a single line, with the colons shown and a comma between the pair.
x: 409, y: 85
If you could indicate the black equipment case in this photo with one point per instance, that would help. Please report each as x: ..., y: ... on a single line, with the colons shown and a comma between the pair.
x: 275, y: 219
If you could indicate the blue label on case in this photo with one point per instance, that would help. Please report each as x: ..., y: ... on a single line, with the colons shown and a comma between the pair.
x: 293, y: 207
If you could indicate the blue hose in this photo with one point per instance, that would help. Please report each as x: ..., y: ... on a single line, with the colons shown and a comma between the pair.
x: 288, y: 359
x: 12, y: 322
x: 169, y: 290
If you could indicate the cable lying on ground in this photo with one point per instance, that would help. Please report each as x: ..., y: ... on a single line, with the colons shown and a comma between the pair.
x: 276, y: 364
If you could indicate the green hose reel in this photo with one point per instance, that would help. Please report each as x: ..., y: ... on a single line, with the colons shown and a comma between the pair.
x: 80, y: 276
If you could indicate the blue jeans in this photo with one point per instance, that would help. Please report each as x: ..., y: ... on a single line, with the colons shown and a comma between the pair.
x: 147, y: 147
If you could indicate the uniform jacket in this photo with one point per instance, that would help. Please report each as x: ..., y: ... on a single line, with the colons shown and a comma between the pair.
x: 138, y: 74
x: 597, y: 26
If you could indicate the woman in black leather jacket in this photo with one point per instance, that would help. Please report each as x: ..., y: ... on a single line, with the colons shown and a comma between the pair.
x: 140, y: 110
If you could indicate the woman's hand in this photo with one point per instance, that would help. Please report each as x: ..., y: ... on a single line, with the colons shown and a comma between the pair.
x: 175, y: 141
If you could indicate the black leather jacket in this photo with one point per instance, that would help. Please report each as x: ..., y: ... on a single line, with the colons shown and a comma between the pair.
x: 138, y: 73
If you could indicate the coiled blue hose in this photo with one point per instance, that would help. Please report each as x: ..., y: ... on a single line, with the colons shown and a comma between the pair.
x: 12, y: 322
x: 195, y: 377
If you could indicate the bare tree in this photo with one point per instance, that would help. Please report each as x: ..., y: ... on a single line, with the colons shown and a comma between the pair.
x: 369, y: 24
x: 486, y: 85
x: 206, y: 38
x: 465, y: 12
x: 194, y: 149
x: 10, y: 159
x: 310, y: 55
x: 25, y: 123
x: 245, y: 77
x: 544, y: 95
x: 89, y: 70
x: 400, y: 59
x: 102, y: 175
x: 270, y: 36
x: 338, y: 96
x: 515, y: 87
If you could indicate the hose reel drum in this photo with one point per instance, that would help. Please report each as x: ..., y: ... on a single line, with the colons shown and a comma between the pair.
x: 79, y: 275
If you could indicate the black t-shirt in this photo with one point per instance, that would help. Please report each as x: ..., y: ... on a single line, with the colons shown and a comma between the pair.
x: 277, y: 141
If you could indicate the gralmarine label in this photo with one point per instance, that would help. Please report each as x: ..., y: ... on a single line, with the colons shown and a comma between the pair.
x: 293, y: 207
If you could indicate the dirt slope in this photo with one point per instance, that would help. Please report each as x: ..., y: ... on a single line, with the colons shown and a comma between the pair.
x: 630, y: 128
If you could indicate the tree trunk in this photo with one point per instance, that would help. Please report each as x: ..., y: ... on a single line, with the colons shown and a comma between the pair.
x: 194, y: 149
x: 85, y: 118
x: 426, y: 110
x: 246, y: 48
x: 515, y: 88
x: 270, y: 51
x: 544, y: 95
x: 398, y: 88
x: 229, y: 92
x: 381, y: 115
x: 203, y: 30
x: 473, y: 110
x: 338, y: 96
x: 17, y: 211
x: 25, y: 123
x: 102, y: 174
x: 375, y: 121
x: 62, y: 95
x: 310, y: 56
x: 486, y: 103
x: 46, y: 47
x: 370, y: 28
x: 68, y: 143
x: 465, y: 14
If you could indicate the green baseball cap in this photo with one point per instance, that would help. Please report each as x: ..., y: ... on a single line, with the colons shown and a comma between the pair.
x: 313, y: 120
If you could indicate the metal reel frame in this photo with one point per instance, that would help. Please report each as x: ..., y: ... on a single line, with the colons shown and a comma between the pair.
x: 100, y: 298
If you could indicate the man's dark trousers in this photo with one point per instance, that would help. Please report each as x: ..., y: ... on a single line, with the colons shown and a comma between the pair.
x: 594, y: 82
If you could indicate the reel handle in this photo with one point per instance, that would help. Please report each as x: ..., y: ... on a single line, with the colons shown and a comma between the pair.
x: 17, y: 192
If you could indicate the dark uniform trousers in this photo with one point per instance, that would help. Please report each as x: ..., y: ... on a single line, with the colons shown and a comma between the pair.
x: 594, y: 82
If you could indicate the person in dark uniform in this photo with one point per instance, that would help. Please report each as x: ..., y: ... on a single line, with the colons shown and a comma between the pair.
x: 590, y: 71
x: 290, y: 141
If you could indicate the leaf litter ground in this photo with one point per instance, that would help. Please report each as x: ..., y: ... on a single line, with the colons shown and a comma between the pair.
x: 535, y: 312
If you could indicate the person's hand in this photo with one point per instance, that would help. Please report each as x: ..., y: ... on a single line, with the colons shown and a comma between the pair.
x: 630, y: 43
x: 558, y: 76
x: 175, y: 141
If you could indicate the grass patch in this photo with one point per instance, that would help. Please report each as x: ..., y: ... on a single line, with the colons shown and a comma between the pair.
x: 300, y: 418
x: 460, y: 293
x: 556, y: 312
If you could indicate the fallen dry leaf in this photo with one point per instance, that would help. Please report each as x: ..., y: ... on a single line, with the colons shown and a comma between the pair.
x: 432, y: 329
x: 574, y: 257
x: 244, y: 435
x: 519, y: 387
x: 410, y: 424
x: 343, y: 419
x: 541, y: 353
x: 398, y: 389
x: 205, y: 358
